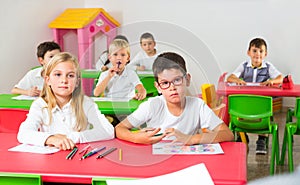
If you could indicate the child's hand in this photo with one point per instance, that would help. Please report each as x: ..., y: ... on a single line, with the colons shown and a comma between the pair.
x: 33, y: 91
x: 112, y: 71
x: 240, y: 82
x: 104, y: 68
x: 148, y: 136
x: 267, y: 83
x: 180, y: 137
x: 60, y: 141
x: 140, y: 68
x: 140, y: 95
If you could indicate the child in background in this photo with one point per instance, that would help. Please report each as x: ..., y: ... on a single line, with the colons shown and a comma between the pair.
x: 118, y: 81
x: 144, y: 59
x: 62, y: 115
x: 32, y: 83
x: 258, y: 70
x: 173, y: 113
x: 103, y: 63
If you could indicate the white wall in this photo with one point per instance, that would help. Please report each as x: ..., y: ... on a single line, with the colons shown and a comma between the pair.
x: 208, y: 33
x: 24, y: 24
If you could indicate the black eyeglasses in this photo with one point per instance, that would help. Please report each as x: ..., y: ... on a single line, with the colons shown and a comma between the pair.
x: 166, y: 84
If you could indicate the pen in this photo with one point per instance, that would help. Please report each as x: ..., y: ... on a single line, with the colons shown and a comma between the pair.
x: 72, y: 153
x: 96, y: 150
x: 159, y: 134
x: 106, y: 153
x: 120, y: 154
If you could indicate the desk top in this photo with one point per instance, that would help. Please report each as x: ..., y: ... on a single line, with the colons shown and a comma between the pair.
x: 93, y: 73
x: 137, y: 162
x: 105, y: 107
x: 224, y: 89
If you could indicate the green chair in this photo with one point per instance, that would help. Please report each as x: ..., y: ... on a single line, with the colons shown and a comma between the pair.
x: 252, y: 114
x: 291, y: 129
x: 148, y: 82
x: 19, y: 179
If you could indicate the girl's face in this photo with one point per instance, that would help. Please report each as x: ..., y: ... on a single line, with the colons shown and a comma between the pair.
x: 63, y: 80
x: 119, y: 58
x: 172, y: 84
x: 257, y: 55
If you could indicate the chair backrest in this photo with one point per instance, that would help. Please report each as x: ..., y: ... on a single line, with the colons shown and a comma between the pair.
x: 148, y: 83
x: 209, y: 95
x: 10, y: 119
x: 251, y: 112
x: 20, y: 179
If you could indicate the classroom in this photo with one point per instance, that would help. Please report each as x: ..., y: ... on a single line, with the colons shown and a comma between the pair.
x: 212, y: 36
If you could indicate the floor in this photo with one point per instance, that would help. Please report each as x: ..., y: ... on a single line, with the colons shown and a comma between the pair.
x: 258, y: 165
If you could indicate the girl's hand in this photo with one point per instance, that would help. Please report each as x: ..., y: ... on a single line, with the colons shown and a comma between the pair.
x: 140, y: 68
x: 60, y: 141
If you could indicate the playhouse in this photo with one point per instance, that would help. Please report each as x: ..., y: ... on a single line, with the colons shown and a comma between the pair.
x: 86, y: 23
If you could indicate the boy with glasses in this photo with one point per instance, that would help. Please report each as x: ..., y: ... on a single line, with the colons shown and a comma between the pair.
x: 173, y: 115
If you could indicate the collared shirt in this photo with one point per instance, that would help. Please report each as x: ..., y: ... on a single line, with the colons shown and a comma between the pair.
x: 155, y: 113
x: 142, y: 59
x: 33, y: 78
x: 249, y: 74
x: 36, y: 128
x: 121, y: 86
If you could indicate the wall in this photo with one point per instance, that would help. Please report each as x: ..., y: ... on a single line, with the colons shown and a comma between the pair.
x: 24, y: 24
x: 224, y: 26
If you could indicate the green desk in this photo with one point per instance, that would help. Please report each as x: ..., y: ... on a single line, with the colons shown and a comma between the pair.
x: 105, y: 107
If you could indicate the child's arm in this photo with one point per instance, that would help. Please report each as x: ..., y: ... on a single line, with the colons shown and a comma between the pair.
x: 99, y: 89
x: 219, y: 134
x: 143, y: 136
x: 30, y: 92
x: 60, y: 141
x: 141, y: 92
x: 276, y: 80
x: 234, y: 79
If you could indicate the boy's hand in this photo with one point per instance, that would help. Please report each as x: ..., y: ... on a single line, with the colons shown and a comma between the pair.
x: 267, y: 83
x: 140, y: 68
x: 33, y: 91
x: 240, y: 82
x: 180, y: 137
x: 148, y: 136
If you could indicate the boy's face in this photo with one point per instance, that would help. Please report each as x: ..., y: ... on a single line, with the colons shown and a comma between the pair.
x: 47, y: 57
x: 148, y: 45
x: 119, y: 58
x: 257, y: 55
x: 173, y: 93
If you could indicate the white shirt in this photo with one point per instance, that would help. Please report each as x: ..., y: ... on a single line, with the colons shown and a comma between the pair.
x: 31, y: 79
x: 36, y: 129
x: 154, y: 112
x: 273, y: 72
x: 102, y: 59
x: 121, y: 86
x: 142, y: 59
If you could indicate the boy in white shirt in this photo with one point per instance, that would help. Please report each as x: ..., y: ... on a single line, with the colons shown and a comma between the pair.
x: 173, y: 113
x: 32, y: 83
x: 144, y: 59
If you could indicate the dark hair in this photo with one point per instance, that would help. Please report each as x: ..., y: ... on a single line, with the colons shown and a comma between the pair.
x: 168, y: 60
x: 146, y: 36
x: 257, y: 42
x: 44, y: 47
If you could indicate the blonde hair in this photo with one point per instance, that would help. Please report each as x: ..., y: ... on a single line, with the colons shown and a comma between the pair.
x: 77, y: 95
x: 118, y: 44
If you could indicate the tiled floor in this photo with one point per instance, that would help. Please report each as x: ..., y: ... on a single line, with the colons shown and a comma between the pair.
x: 258, y: 165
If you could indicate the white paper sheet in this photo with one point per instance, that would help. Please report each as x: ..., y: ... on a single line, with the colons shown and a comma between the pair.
x: 247, y: 84
x: 34, y: 149
x: 193, y: 175
x: 179, y: 148
x: 145, y: 72
x: 24, y: 97
x: 125, y: 99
